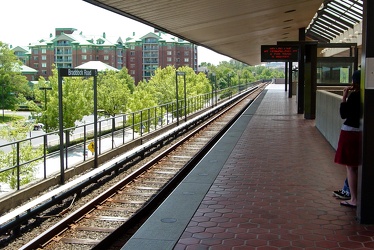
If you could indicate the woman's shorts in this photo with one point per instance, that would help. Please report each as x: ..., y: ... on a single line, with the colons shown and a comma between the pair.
x: 349, y: 148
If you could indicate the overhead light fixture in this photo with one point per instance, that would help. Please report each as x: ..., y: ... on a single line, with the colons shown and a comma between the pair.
x: 289, y: 11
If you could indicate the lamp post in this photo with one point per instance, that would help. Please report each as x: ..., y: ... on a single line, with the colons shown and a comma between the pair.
x: 180, y: 73
x: 45, y: 104
x: 229, y: 83
x: 2, y: 99
x: 238, y: 82
x: 214, y: 87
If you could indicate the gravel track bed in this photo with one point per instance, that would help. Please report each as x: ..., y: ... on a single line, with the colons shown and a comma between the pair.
x: 47, y: 223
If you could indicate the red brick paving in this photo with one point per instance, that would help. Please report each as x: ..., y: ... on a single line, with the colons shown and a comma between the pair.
x: 274, y: 192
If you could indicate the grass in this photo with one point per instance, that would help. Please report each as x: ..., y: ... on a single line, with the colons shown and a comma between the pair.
x: 9, y: 118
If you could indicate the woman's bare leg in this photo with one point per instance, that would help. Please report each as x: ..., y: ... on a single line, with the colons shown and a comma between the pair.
x: 352, y: 182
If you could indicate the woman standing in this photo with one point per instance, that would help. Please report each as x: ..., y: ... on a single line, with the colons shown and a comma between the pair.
x: 348, y: 151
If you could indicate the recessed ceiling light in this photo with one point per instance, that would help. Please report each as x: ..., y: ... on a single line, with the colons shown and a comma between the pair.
x: 289, y: 11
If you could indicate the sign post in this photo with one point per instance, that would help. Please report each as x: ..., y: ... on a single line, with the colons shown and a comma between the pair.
x: 71, y: 72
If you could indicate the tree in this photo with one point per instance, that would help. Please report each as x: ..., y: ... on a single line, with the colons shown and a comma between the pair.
x: 13, y: 85
x: 77, y: 100
x: 16, y: 131
x: 140, y: 100
x: 113, y: 91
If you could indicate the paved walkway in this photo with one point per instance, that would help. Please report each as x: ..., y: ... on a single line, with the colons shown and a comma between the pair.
x: 274, y: 191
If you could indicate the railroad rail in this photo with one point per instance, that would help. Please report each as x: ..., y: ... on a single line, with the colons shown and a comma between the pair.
x: 131, y: 199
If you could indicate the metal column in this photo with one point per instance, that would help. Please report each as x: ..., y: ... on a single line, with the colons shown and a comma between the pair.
x: 365, y: 208
x: 300, y: 89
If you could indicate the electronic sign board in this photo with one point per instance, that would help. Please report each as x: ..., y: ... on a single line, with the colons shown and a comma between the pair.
x: 275, y: 53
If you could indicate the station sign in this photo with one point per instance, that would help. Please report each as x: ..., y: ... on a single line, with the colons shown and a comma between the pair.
x: 275, y: 53
x: 77, y: 72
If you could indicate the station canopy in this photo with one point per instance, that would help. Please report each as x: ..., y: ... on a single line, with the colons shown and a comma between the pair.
x: 238, y: 28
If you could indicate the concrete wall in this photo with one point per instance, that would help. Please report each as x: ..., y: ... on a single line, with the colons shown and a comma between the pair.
x: 328, y: 120
x: 278, y: 80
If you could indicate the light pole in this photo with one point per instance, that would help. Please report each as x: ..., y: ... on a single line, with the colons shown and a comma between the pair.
x: 180, y: 73
x: 2, y: 98
x: 212, y: 76
x: 215, y: 85
x: 45, y: 104
x: 229, y: 83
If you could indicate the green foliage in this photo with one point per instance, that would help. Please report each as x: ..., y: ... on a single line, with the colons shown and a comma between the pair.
x: 161, y: 89
x: 12, y: 83
x: 77, y: 99
x: 16, y: 131
x: 241, y: 73
x: 114, y: 91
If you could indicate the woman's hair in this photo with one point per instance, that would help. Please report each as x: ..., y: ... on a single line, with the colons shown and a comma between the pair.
x: 356, y: 77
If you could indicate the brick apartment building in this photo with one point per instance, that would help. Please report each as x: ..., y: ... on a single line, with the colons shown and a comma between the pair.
x: 141, y: 55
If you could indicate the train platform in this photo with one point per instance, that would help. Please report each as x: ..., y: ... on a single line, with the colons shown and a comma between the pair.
x: 267, y: 184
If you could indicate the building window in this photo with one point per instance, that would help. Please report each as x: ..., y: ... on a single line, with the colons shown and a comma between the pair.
x: 186, y: 59
x: 44, y: 72
x: 132, y: 53
x: 35, y: 51
x: 186, y: 53
x: 169, y: 53
x: 168, y: 47
x: 44, y: 51
x: 36, y: 58
x: 132, y: 72
x: 36, y: 65
x: 106, y: 58
x: 132, y: 59
x: 84, y: 50
x: 168, y: 59
x: 44, y: 65
x: 132, y: 47
x: 150, y: 40
x: 84, y: 57
x: 44, y: 58
x: 132, y: 66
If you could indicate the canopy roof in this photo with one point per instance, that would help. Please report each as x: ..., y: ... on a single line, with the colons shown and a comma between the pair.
x: 238, y: 28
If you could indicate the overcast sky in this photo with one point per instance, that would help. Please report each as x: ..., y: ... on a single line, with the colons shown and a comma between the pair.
x: 26, y: 21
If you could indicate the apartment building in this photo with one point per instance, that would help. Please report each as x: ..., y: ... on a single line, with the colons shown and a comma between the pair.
x: 142, y: 55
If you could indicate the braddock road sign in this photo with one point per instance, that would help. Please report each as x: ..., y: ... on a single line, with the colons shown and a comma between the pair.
x: 77, y: 72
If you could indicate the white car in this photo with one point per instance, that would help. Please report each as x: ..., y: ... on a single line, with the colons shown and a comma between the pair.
x: 38, y: 126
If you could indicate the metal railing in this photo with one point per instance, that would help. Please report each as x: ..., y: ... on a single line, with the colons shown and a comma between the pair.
x: 112, y: 132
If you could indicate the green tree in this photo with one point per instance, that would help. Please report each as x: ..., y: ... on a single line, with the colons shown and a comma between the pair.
x: 16, y: 131
x: 141, y: 100
x: 113, y: 91
x: 13, y: 85
x: 77, y: 100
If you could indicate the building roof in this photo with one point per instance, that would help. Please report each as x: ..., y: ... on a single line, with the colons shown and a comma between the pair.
x: 98, y: 65
x: 27, y: 70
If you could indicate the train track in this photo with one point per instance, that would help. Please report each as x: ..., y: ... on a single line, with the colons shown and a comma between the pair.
x: 129, y: 201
